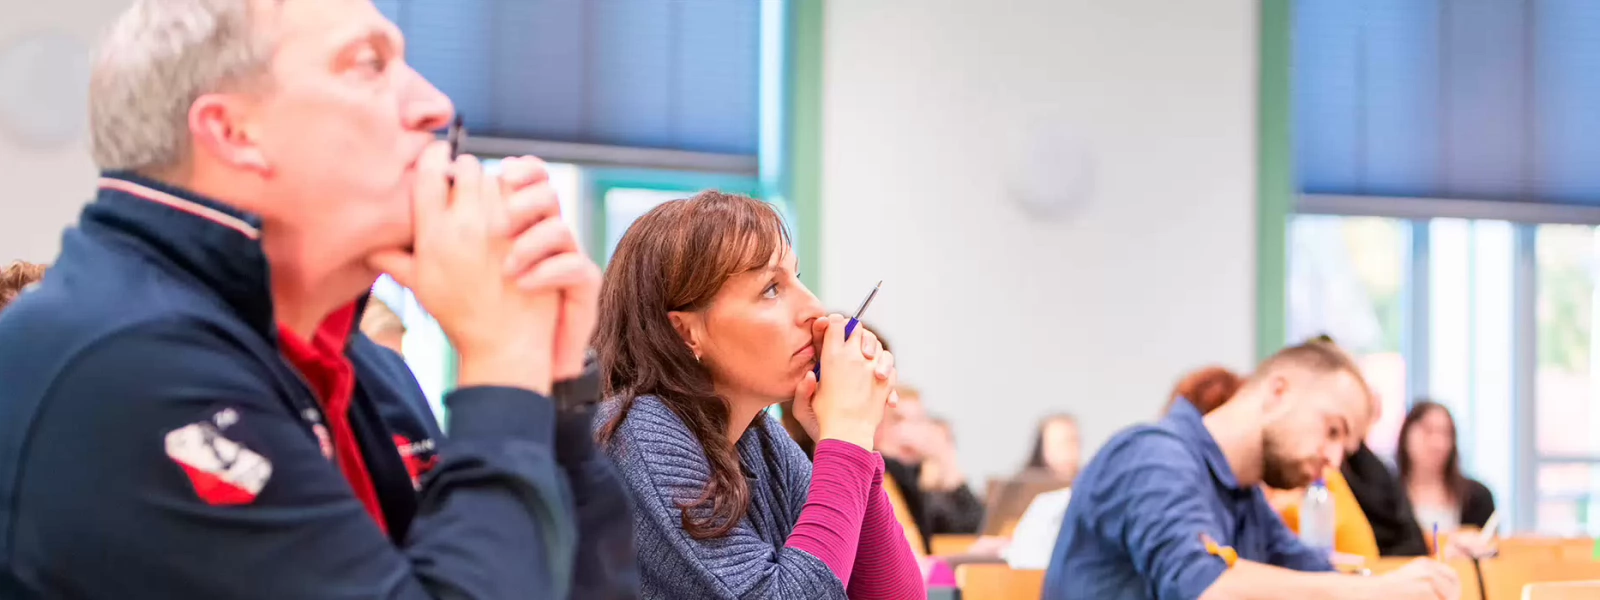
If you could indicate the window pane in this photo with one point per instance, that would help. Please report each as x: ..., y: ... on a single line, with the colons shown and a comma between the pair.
x: 1568, y: 418
x: 1569, y: 499
x: 1347, y: 279
x: 1470, y: 331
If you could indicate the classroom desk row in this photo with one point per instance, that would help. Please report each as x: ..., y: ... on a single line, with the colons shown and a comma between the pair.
x: 1528, y: 568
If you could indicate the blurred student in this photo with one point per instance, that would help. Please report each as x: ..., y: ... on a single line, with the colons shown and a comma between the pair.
x: 1430, y: 470
x: 1175, y: 509
x: 1213, y: 386
x: 1057, y: 450
x: 704, y: 326
x: 16, y: 278
x: 383, y: 327
x: 920, y: 464
x: 187, y: 409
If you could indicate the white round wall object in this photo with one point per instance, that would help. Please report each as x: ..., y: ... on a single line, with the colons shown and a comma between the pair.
x: 1048, y: 170
x: 44, y: 89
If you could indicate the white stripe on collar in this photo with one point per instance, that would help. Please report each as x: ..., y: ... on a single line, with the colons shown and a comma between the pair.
x: 188, y: 206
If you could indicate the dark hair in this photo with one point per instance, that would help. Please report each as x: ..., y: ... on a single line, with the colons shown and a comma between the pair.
x: 675, y: 258
x: 1036, y: 460
x: 1455, y: 483
x: 15, y: 278
x: 1206, y: 388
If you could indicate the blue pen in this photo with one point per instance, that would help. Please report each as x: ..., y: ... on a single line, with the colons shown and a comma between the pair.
x: 850, y: 326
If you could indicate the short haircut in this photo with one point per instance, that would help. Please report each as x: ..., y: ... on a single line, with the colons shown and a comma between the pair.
x: 156, y: 59
x: 1317, y: 356
x: 17, y: 277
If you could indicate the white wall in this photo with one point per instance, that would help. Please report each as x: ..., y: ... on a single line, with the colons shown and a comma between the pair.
x: 1001, y: 317
x: 44, y: 189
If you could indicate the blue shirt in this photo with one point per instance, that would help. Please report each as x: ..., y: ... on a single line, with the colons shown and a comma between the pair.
x: 1133, y: 529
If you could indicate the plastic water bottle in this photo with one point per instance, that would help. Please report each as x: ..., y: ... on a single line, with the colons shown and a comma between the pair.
x: 1317, y: 518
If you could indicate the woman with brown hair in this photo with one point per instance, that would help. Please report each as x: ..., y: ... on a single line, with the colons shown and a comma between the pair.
x: 1430, y: 472
x: 704, y: 324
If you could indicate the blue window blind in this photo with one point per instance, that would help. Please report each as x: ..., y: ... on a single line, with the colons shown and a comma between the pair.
x: 669, y: 74
x: 1471, y: 99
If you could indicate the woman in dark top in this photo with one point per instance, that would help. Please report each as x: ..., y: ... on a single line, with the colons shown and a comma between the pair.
x: 1430, y: 472
x: 704, y: 325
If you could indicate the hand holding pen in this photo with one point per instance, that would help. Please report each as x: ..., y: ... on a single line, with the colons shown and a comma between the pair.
x: 849, y: 404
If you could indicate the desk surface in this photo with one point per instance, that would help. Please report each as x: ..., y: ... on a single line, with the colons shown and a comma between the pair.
x: 998, y: 582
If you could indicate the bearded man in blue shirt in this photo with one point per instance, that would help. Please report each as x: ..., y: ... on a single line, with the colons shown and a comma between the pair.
x: 1175, y: 511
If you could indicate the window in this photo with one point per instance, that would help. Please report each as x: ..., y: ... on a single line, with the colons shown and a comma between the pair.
x: 1449, y: 142
x: 624, y: 205
x: 1426, y: 307
x: 1568, y: 448
x: 623, y: 195
x: 1469, y: 350
x: 681, y: 76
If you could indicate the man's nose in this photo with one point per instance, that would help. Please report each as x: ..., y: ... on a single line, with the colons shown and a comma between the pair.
x: 423, y: 106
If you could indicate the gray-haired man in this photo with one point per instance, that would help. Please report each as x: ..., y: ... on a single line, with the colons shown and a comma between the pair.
x: 186, y: 409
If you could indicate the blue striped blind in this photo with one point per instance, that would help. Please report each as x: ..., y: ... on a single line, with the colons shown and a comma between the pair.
x: 1473, y: 99
x: 669, y: 74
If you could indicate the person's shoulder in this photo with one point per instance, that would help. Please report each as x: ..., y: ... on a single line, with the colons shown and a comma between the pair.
x: 648, y: 427
x: 1477, y: 491
x: 655, y: 452
x: 641, y: 416
x: 78, y: 305
x: 1145, y: 443
x: 1146, y: 448
x: 785, y: 451
x: 119, y: 317
x: 40, y: 345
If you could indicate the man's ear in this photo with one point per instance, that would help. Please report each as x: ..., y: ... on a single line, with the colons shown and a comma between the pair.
x: 221, y: 128
x: 1277, y: 401
x: 688, y: 326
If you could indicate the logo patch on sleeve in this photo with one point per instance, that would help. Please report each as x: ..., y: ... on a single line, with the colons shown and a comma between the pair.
x: 223, y: 471
x: 418, y: 457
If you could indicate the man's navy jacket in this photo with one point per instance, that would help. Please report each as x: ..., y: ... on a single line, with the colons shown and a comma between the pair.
x: 156, y: 443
